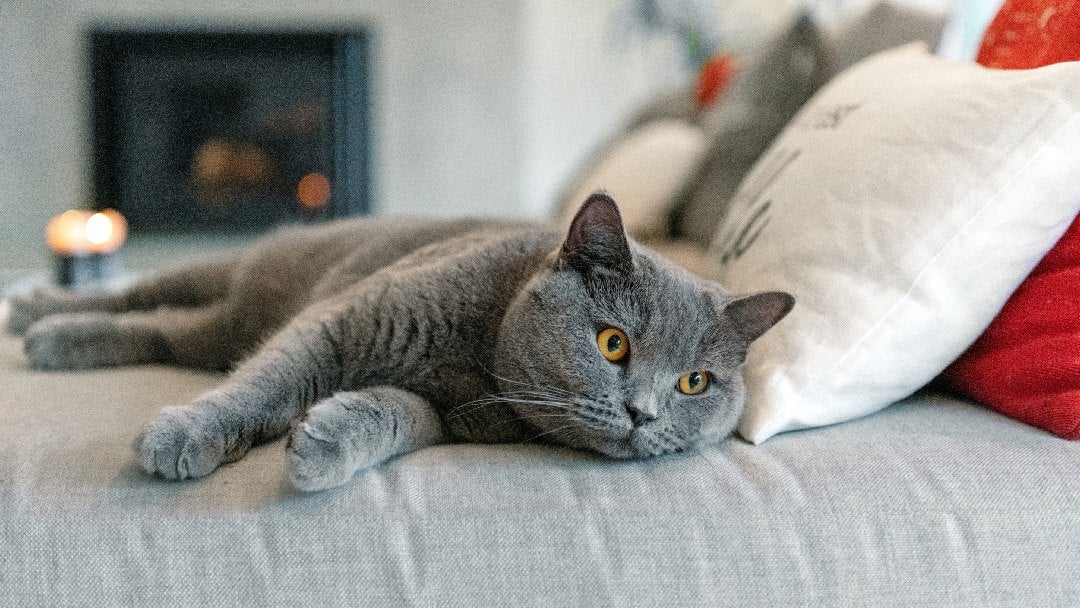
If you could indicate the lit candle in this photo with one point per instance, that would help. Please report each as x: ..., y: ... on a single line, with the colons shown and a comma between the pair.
x: 86, y: 244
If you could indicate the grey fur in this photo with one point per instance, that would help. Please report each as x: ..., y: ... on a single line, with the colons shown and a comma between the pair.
x: 376, y: 337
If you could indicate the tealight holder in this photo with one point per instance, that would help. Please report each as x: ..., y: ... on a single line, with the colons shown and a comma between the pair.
x: 85, y: 246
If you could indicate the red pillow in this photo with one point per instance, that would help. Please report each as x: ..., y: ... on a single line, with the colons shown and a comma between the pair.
x: 1027, y: 363
x: 1031, y: 34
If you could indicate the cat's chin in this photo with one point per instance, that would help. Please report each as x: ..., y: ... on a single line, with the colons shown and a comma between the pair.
x: 641, y: 443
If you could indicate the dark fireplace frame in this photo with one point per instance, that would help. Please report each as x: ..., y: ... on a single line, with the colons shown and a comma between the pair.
x: 350, y: 116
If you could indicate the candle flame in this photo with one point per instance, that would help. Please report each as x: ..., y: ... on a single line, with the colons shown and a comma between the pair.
x: 80, y: 232
x: 99, y: 229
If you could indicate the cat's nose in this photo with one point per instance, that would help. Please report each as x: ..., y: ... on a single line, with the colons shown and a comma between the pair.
x: 640, y: 414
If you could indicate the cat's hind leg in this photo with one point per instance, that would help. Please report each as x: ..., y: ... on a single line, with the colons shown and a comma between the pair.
x: 355, y: 430
x: 195, y: 285
x: 194, y: 337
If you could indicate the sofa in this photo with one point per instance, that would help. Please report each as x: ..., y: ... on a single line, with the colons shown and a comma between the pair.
x: 934, y: 500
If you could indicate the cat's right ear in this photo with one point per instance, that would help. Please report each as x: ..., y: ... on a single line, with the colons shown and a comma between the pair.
x: 596, y: 239
x: 752, y: 316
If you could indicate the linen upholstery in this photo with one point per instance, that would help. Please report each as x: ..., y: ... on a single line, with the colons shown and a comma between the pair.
x: 933, y: 502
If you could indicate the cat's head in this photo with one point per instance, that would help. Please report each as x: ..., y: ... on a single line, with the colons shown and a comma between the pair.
x: 611, y: 348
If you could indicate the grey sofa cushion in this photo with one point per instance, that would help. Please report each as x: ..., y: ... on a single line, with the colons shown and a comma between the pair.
x: 764, y: 94
x: 934, y: 502
x: 762, y: 98
x: 883, y: 26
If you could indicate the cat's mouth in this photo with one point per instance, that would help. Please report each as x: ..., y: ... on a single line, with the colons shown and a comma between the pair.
x: 582, y: 423
x: 642, y: 442
x: 655, y: 442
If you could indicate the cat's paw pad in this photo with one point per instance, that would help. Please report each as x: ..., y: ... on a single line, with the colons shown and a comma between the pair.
x: 180, y: 444
x: 69, y: 342
x: 328, y: 446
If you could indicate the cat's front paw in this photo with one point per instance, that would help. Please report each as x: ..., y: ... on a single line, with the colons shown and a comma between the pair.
x: 331, y: 443
x: 181, y: 443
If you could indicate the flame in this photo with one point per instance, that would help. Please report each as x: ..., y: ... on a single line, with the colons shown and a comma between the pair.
x: 99, y: 229
x: 81, y: 232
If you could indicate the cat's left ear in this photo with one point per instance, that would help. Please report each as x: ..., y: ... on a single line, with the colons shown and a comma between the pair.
x: 752, y: 316
x: 596, y: 238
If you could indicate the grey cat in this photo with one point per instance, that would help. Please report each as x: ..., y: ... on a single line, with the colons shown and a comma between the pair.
x: 376, y: 337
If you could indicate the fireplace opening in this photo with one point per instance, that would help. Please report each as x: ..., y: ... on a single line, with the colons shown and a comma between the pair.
x: 229, y: 131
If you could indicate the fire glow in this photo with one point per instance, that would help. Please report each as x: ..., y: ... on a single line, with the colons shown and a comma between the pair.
x: 313, y: 191
x: 79, y: 232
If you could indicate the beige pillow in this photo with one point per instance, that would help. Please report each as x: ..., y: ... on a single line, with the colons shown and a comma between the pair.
x: 643, y: 170
x: 762, y: 97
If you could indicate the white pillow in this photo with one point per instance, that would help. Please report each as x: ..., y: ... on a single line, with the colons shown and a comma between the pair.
x: 901, y: 206
x: 645, y: 170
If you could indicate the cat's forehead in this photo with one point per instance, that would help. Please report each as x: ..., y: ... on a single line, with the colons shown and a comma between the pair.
x: 658, y: 299
x: 685, y: 319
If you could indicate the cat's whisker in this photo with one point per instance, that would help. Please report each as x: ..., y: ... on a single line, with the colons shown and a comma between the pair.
x: 674, y: 442
x: 553, y: 389
x: 712, y: 465
x: 596, y: 423
x: 537, y: 416
x: 537, y: 396
x: 548, y: 400
x: 532, y: 417
x: 583, y: 416
x: 480, y: 404
x: 554, y: 404
x: 537, y: 390
x: 468, y: 407
x: 609, y: 422
x: 568, y: 409
x: 550, y: 431
x: 600, y: 425
x: 665, y: 434
x: 586, y: 417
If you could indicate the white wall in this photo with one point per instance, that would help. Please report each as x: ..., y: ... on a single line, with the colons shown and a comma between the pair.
x: 480, y: 106
x: 582, y: 75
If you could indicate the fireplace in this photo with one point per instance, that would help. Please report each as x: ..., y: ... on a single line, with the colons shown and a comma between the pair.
x: 229, y: 131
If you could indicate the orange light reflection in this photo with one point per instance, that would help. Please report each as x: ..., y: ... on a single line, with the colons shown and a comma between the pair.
x: 313, y: 191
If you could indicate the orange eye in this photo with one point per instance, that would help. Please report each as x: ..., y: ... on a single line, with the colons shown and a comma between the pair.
x: 613, y: 344
x: 693, y: 383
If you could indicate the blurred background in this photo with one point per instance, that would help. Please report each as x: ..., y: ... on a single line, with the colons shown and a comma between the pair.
x: 205, y: 122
